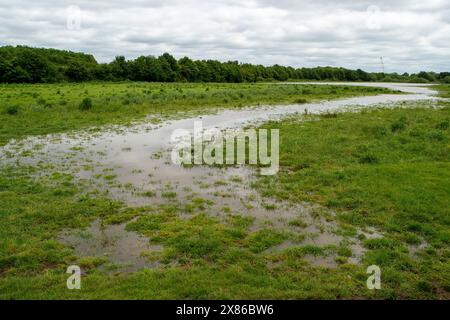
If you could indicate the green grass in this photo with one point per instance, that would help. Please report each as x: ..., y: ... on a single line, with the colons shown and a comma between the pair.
x: 49, y: 108
x: 387, y: 168
x: 33, y: 212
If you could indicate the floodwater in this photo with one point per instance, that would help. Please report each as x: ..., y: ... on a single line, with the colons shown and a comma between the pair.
x: 133, y: 165
x: 125, y: 248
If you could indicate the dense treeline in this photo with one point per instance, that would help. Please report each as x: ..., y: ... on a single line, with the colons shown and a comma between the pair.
x: 35, y: 65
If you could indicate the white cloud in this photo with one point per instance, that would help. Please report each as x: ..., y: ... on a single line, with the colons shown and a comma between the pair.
x: 411, y: 35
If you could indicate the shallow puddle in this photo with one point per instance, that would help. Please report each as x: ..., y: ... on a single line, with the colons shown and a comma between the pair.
x: 125, y: 249
x: 328, y: 262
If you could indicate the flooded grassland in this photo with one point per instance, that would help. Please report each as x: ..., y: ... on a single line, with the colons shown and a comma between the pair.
x: 112, y: 201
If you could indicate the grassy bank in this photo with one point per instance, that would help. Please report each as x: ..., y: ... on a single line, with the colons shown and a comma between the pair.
x: 385, y: 168
x: 40, y: 109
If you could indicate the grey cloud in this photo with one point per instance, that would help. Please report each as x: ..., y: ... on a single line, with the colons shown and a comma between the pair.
x: 412, y: 35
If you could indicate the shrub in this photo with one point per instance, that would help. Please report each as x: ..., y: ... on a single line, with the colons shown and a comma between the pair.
x: 300, y: 101
x: 12, y: 110
x: 86, y: 104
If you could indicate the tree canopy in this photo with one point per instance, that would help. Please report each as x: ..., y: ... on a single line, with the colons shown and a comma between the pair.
x: 23, y: 64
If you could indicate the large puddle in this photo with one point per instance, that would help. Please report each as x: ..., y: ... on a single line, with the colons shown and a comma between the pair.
x: 132, y: 164
x: 125, y: 249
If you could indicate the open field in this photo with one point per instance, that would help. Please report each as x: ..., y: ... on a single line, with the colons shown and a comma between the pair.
x: 354, y: 189
x: 49, y: 108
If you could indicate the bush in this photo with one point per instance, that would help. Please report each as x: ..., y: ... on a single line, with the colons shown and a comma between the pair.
x: 12, y: 110
x: 86, y: 104
x: 301, y: 101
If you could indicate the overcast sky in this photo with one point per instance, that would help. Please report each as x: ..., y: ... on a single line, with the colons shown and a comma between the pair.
x: 411, y: 35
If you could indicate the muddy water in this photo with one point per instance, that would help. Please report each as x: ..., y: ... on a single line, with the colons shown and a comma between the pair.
x: 133, y: 165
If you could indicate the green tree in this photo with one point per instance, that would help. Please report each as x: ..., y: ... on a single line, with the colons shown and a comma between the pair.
x: 77, y: 72
x: 119, y: 68
x: 188, y: 69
